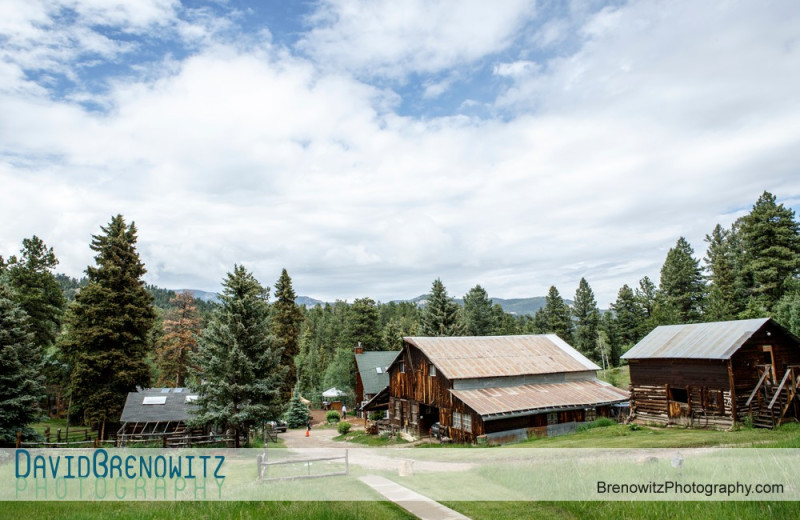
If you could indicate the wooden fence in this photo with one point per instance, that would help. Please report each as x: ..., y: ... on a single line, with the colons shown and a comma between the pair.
x: 264, y: 465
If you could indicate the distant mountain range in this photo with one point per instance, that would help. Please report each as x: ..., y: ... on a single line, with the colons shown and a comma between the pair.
x: 519, y: 306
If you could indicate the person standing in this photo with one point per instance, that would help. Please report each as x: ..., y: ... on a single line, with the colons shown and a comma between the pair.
x: 344, y: 411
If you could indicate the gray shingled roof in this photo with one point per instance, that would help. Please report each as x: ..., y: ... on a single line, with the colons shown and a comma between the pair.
x: 367, y: 363
x: 174, y: 409
x: 716, y: 340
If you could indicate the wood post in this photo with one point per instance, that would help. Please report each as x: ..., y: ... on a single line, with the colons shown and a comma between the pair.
x: 19, y: 438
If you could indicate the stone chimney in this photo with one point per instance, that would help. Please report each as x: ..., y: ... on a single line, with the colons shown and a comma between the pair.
x: 359, y: 349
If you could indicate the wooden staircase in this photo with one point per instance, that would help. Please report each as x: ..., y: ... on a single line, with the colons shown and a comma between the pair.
x: 769, y: 403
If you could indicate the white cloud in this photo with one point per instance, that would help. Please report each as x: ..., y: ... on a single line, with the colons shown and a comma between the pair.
x: 655, y: 127
x: 393, y: 39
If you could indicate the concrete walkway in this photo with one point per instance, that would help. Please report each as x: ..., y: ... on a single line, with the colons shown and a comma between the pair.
x: 416, y: 504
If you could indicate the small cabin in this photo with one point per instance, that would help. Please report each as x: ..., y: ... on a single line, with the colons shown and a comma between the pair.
x: 372, y: 376
x: 496, y: 389
x: 716, y: 374
x: 157, y: 411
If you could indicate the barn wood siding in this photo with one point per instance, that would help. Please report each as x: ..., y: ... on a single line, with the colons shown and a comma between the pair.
x: 712, y: 373
x: 744, y: 362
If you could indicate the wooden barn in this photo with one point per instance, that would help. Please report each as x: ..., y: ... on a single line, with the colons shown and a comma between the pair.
x: 372, y: 376
x: 716, y: 374
x: 495, y: 389
x: 156, y: 411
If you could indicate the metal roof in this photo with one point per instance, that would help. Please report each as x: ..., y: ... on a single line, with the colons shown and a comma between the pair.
x: 716, y: 340
x: 493, y: 403
x: 465, y: 357
x: 175, y: 407
x: 368, y: 362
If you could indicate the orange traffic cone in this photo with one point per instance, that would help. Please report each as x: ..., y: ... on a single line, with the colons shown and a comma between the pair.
x: 308, y: 433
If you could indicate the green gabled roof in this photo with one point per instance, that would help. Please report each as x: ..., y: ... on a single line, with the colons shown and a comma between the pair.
x: 367, y: 364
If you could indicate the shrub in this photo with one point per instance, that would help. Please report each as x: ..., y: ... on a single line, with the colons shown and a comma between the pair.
x: 601, y: 422
x: 333, y: 416
x: 634, y: 427
x: 343, y: 427
x: 376, y: 416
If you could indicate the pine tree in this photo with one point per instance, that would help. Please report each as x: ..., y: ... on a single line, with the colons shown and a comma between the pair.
x: 21, y: 383
x: 286, y: 320
x: 239, y: 360
x: 722, y: 298
x: 363, y: 325
x: 478, y: 316
x: 556, y: 316
x: 610, y: 339
x: 107, y: 327
x: 682, y: 287
x: 771, y: 244
x: 441, y: 316
x: 181, y: 329
x: 787, y: 312
x: 587, y: 317
x: 36, y: 289
x: 629, y: 318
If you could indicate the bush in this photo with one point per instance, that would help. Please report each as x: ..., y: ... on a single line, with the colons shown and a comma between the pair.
x: 601, y: 422
x: 376, y: 416
x: 333, y: 416
x: 343, y: 427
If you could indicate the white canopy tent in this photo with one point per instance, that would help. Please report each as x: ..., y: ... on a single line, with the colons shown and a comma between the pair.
x: 333, y: 392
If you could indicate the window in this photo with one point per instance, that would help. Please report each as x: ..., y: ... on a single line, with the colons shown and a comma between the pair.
x: 165, y: 390
x: 155, y: 399
x: 378, y: 370
x: 431, y: 369
x: 190, y: 399
x: 590, y: 414
x: 466, y: 422
x: 456, y: 420
x: 552, y: 418
x: 678, y: 395
x: 178, y: 390
x: 402, y: 367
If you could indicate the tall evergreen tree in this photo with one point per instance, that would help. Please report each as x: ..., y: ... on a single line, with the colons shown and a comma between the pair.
x: 556, y: 316
x: 682, y: 287
x: 478, y: 316
x: 771, y: 243
x: 787, y: 312
x: 107, y: 327
x: 722, y: 296
x: 36, y: 289
x: 441, y: 316
x: 609, y: 338
x: 239, y: 359
x: 179, y: 342
x: 286, y: 320
x: 587, y: 318
x: 363, y: 325
x: 21, y: 383
x: 629, y: 318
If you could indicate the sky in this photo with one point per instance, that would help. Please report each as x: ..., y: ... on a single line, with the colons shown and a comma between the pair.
x: 372, y: 146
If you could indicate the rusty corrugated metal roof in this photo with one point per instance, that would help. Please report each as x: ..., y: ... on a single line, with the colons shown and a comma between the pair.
x: 523, y: 398
x: 467, y: 357
x: 716, y: 340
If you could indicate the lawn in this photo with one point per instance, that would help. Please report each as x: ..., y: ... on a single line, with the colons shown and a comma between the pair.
x: 619, y: 377
x: 366, y: 439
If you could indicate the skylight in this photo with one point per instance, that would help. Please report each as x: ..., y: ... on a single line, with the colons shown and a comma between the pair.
x: 155, y: 399
x: 378, y: 370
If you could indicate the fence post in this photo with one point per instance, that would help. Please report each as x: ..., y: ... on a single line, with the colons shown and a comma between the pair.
x: 19, y: 438
x: 58, y: 435
x: 164, y: 441
x: 47, y: 434
x: 96, y: 442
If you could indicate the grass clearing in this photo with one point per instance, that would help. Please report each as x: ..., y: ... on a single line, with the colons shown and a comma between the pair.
x: 360, y: 437
x: 619, y: 376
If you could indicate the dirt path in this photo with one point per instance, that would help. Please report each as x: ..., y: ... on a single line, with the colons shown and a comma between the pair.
x: 319, y: 437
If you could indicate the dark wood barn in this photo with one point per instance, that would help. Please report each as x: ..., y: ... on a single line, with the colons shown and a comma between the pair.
x: 716, y: 374
x: 495, y: 389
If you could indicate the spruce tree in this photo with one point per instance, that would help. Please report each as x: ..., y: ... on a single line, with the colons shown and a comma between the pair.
x: 107, y: 327
x: 682, y: 287
x: 771, y: 244
x: 239, y: 360
x: 21, y: 383
x: 181, y: 329
x: 441, y: 316
x: 363, y: 325
x: 286, y: 320
x: 478, y: 315
x: 629, y: 318
x: 787, y: 312
x: 298, y: 414
x: 722, y: 302
x: 36, y: 290
x: 609, y: 338
x: 587, y: 317
x: 557, y: 317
